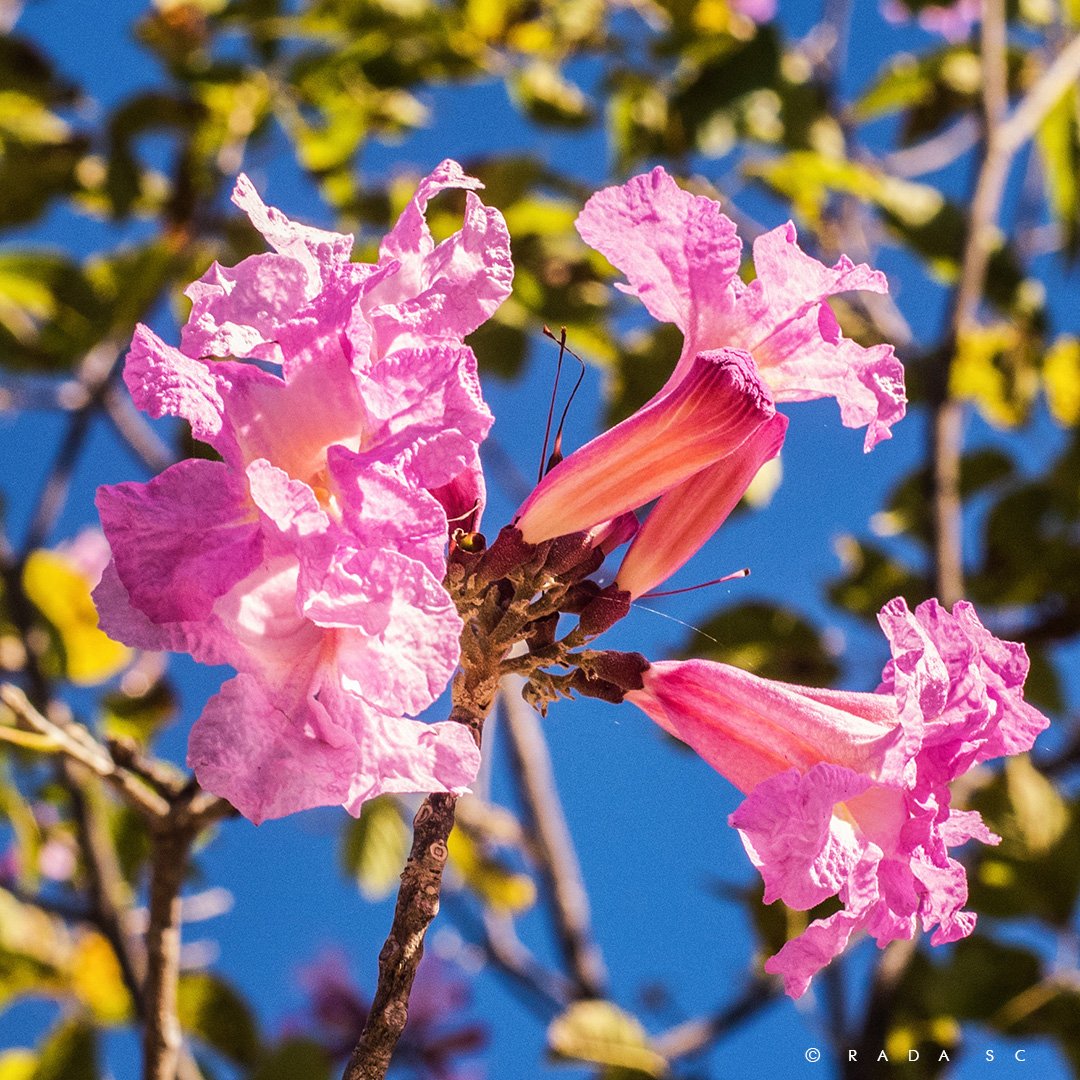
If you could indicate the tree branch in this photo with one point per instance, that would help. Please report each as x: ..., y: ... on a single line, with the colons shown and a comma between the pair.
x: 558, y: 860
x: 695, y: 1036
x: 80, y: 746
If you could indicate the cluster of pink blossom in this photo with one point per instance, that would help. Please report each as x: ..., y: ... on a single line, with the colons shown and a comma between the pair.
x: 311, y: 557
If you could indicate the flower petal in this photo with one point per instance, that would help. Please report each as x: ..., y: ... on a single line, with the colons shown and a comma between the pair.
x: 821, y: 942
x: 181, y: 540
x: 260, y: 751
x: 805, y: 853
x: 400, y: 633
x: 427, y: 411
x: 445, y: 291
x: 165, y: 382
x: 679, y: 253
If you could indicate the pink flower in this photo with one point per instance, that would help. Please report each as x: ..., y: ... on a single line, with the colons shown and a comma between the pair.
x: 681, y: 257
x: 701, y: 440
x: 952, y: 21
x: 759, y: 11
x: 848, y: 793
x: 310, y: 558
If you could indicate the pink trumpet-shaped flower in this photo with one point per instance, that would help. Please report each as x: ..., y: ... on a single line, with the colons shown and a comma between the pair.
x: 681, y: 257
x: 706, y: 418
x: 848, y: 793
x: 310, y: 558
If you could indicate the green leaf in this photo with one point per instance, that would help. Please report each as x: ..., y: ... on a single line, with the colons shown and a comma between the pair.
x: 498, y: 886
x: 722, y: 80
x: 601, y: 1033
x: 908, y: 509
x: 1061, y: 380
x: 49, y: 311
x: 212, y: 1011
x: 1058, y: 140
x: 769, y: 640
x: 872, y: 578
x: 293, y: 1059
x: 374, y: 847
x: 138, y: 716
x: 24, y: 68
x: 70, y: 1052
x: 548, y: 98
x: 1035, y: 871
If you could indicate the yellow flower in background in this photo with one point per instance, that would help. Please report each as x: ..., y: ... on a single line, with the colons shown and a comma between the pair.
x: 59, y: 582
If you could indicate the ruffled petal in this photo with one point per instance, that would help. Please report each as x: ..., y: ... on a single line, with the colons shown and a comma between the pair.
x: 443, y: 291
x: 783, y: 319
x: 427, y: 411
x: 165, y: 382
x: 399, y: 755
x: 240, y: 310
x: 260, y: 750
x: 803, y: 957
x: 679, y: 253
x: 399, y: 632
x: 804, y: 852
x: 380, y: 506
x: 182, y: 540
x: 316, y: 249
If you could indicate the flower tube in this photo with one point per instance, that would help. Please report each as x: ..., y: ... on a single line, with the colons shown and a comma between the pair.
x: 711, y: 413
x: 848, y: 793
x: 687, y: 515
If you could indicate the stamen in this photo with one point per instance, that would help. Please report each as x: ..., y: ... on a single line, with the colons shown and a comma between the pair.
x: 554, y: 392
x: 744, y: 572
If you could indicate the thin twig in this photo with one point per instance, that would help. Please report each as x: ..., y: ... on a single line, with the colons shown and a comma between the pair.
x: 947, y: 414
x: 936, y: 152
x: 417, y: 905
x: 1037, y: 103
x: 96, y: 372
x: 473, y: 692
x: 1004, y: 136
x: 132, y: 427
x: 559, y: 864
x: 695, y: 1036
x: 79, y: 745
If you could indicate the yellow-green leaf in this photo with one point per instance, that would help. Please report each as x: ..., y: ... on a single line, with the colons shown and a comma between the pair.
x: 97, y: 981
x: 988, y: 369
x: 17, y: 1064
x: 375, y: 846
x: 1061, y: 380
x: 498, y: 886
x: 601, y: 1033
x: 214, y: 1012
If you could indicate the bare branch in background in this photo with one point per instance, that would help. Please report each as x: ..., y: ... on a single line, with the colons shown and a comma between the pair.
x: 559, y: 864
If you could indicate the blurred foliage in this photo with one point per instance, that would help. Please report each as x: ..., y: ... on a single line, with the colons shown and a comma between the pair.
x: 603, y: 1034
x: 374, y: 847
x: 698, y: 85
